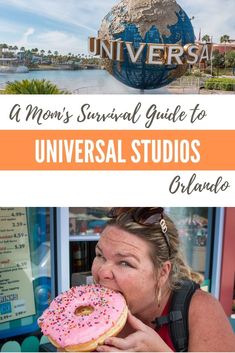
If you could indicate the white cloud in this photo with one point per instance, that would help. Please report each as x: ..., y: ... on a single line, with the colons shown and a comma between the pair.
x: 58, y: 41
x: 24, y: 41
x: 82, y: 18
x: 82, y: 14
x: 213, y: 17
x: 29, y: 32
x: 8, y: 27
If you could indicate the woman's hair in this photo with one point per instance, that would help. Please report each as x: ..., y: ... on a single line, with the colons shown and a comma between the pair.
x: 161, y: 250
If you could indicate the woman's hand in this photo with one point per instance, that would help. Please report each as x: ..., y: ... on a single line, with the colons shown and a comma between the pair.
x: 145, y: 339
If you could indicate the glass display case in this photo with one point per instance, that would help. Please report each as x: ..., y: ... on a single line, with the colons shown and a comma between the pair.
x: 85, y: 227
x: 87, y: 222
x: 25, y: 268
x: 44, y: 251
x: 195, y: 226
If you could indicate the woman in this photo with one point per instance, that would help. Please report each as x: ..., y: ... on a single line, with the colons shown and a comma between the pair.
x: 138, y: 254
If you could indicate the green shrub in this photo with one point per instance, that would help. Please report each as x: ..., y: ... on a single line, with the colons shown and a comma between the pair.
x: 196, y: 73
x: 32, y: 87
x: 187, y: 73
x: 224, y: 84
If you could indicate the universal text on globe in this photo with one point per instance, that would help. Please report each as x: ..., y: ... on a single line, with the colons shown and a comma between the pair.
x: 157, y: 54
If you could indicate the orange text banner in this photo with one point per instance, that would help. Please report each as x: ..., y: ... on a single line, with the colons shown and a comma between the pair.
x: 117, y: 150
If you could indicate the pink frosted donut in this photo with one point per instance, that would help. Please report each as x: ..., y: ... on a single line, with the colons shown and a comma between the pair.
x: 83, y: 317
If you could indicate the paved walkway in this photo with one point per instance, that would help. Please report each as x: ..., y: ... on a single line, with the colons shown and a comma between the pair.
x: 215, y: 91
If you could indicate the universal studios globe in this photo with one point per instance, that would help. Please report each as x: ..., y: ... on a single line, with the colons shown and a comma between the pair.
x: 146, y: 21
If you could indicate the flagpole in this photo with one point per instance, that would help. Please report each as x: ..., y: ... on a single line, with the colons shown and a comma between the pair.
x: 189, y: 65
x: 199, y: 35
x: 211, y: 56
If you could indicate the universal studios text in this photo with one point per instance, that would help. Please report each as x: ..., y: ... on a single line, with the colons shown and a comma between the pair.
x: 157, y: 53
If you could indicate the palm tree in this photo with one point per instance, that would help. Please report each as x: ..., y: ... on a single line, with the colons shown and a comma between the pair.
x: 42, y: 52
x: 1, y: 47
x: 218, y: 61
x: 34, y: 50
x: 230, y: 60
x: 55, y: 56
x: 224, y: 38
x: 206, y: 38
x: 59, y: 59
x: 32, y: 87
x: 4, y: 46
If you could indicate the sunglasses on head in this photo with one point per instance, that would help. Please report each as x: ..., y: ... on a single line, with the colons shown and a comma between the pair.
x: 148, y: 216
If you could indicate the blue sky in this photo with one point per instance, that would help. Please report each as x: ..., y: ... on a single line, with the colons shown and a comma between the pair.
x: 66, y: 25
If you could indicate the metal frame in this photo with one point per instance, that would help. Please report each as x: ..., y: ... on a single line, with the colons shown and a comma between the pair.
x: 217, y: 252
x: 210, y: 239
x: 63, y: 257
x: 91, y: 237
x: 53, y: 247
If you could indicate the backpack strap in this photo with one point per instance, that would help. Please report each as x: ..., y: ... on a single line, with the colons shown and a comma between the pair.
x: 177, y: 319
x: 180, y: 302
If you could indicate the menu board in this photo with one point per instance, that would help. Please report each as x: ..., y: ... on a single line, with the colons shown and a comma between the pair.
x: 16, y: 287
